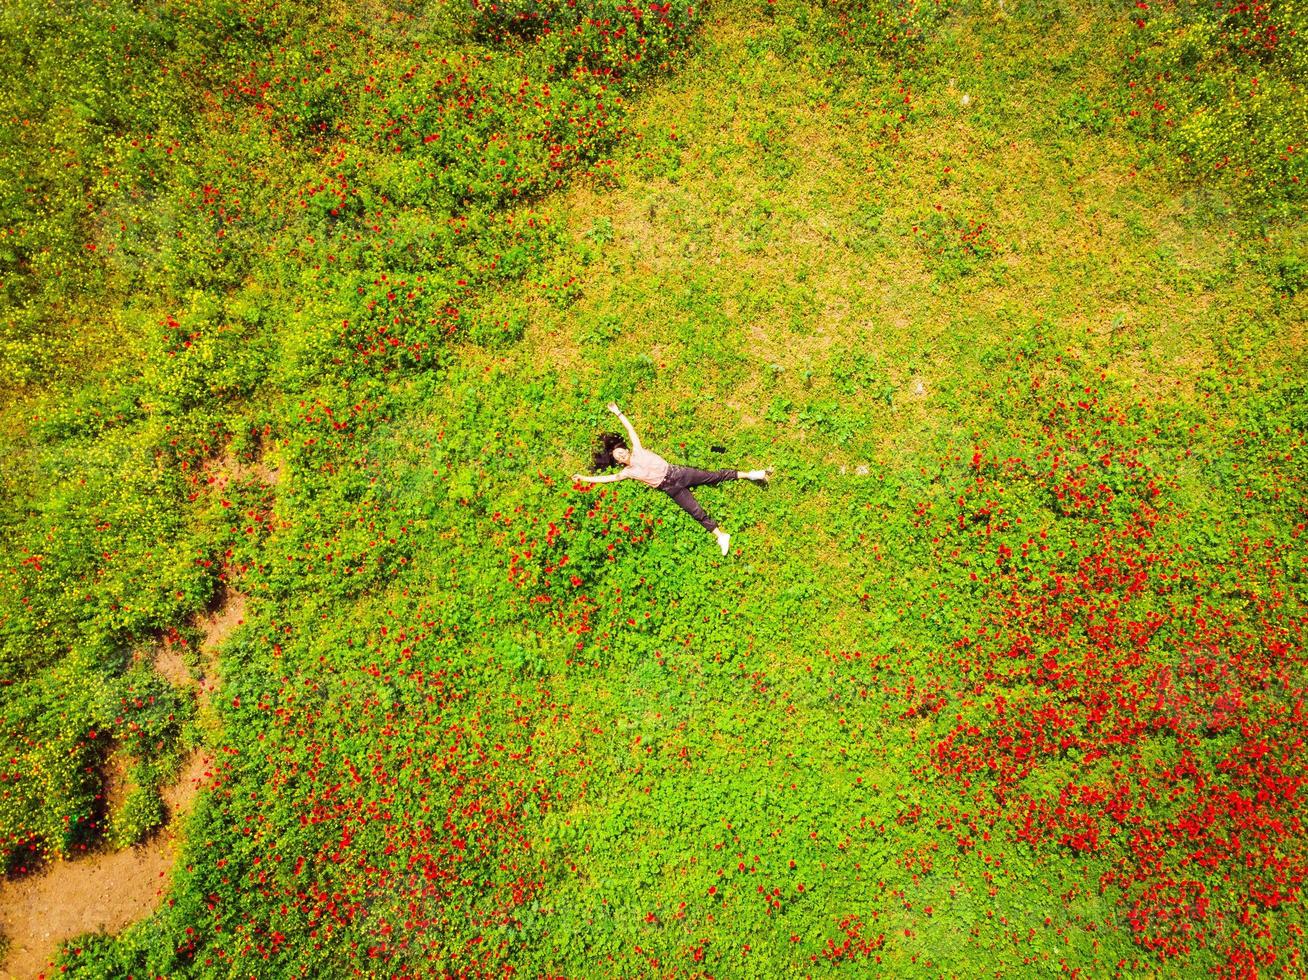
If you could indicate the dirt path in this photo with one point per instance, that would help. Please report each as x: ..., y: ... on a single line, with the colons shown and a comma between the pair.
x: 102, y: 891
x: 108, y: 891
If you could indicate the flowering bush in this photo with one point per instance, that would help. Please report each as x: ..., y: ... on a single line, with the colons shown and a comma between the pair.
x: 1126, y: 690
x: 887, y: 28
x: 1223, y: 85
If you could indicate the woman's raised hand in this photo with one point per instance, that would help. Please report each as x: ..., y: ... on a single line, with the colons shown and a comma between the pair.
x: 613, y: 407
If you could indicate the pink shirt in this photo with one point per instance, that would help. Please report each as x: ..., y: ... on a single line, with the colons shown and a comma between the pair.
x: 647, y: 467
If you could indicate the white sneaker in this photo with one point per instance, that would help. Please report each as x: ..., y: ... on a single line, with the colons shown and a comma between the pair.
x: 724, y: 541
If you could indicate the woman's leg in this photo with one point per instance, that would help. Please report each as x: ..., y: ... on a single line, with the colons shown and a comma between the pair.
x: 687, y: 502
x: 677, y: 485
x: 691, y: 477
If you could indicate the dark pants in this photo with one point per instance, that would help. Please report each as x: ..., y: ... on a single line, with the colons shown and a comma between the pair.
x: 680, y: 479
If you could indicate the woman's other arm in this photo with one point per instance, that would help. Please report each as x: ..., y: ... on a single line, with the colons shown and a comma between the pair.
x: 635, y: 439
x: 610, y: 478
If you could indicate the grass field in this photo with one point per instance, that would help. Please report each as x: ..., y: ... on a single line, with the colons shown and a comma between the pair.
x: 1004, y: 673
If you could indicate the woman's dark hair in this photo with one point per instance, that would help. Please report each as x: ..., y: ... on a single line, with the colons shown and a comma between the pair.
x: 603, y: 458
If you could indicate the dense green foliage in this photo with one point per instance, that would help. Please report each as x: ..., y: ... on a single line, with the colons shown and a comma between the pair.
x: 321, y: 303
x: 276, y: 172
x: 1225, y: 84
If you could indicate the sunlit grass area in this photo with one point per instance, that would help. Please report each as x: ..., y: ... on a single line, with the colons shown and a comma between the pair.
x: 1003, y: 671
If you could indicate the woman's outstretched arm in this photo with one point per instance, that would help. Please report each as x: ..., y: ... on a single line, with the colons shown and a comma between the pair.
x: 608, y: 478
x: 635, y: 439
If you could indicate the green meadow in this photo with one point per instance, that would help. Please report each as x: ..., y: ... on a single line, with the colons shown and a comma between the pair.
x: 320, y: 305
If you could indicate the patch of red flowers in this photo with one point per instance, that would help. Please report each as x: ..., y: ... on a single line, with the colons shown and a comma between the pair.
x: 1133, y: 690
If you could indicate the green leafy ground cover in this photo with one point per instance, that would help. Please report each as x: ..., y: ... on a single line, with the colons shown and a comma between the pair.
x: 1005, y: 670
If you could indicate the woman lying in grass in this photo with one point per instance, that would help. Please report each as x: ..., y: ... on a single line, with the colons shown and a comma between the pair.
x: 638, y: 463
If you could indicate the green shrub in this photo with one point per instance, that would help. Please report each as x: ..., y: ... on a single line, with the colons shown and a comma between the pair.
x: 1223, y: 85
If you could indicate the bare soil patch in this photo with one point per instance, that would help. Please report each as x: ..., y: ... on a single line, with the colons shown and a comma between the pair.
x: 98, y: 892
x: 171, y: 665
x: 105, y: 891
x: 227, y: 469
x: 217, y: 626
x: 69, y: 898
